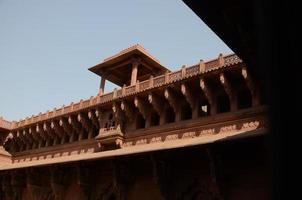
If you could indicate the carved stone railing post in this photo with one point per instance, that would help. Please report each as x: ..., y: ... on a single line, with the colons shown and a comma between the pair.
x: 115, y: 93
x: 220, y: 60
x: 167, y: 77
x: 202, y: 66
x: 151, y: 82
x: 137, y: 86
x: 183, y: 71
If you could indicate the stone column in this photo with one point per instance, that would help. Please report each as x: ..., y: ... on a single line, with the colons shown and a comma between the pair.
x: 102, y: 85
x: 134, y: 72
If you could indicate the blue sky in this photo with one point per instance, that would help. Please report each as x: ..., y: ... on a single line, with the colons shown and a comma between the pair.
x: 46, y: 47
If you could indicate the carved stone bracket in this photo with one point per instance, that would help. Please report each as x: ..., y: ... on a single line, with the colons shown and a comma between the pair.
x: 187, y: 92
x: 254, y: 89
x: 129, y: 110
x: 157, y: 102
x: 66, y: 126
x: 142, y: 107
x: 229, y: 90
x: 94, y: 119
x: 75, y: 124
x: 209, y: 95
x: 172, y: 99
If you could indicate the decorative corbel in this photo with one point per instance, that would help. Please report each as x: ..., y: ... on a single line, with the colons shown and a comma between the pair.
x: 57, y: 129
x: 188, y: 94
x: 128, y: 109
x: 157, y: 102
x: 172, y: 99
x: 74, y: 123
x: 228, y: 89
x: 94, y: 119
x: 83, y: 119
x: 209, y: 95
x: 251, y: 86
x: 66, y: 126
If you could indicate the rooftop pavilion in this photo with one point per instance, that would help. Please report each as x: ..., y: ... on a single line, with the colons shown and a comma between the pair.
x: 127, y: 67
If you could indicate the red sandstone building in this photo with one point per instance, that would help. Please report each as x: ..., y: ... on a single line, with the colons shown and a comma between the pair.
x: 196, y: 133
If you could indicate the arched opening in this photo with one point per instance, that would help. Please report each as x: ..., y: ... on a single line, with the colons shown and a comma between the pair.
x: 140, y: 121
x: 223, y: 103
x: 244, y: 99
x: 169, y: 115
x: 186, y: 112
x: 154, y: 119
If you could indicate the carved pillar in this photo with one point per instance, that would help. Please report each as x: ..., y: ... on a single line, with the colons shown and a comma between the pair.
x: 135, y: 64
x: 102, y: 86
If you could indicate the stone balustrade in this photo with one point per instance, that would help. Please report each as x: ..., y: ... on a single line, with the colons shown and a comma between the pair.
x: 157, y: 81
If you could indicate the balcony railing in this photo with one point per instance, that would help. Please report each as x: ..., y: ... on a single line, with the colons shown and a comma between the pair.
x: 129, y: 90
